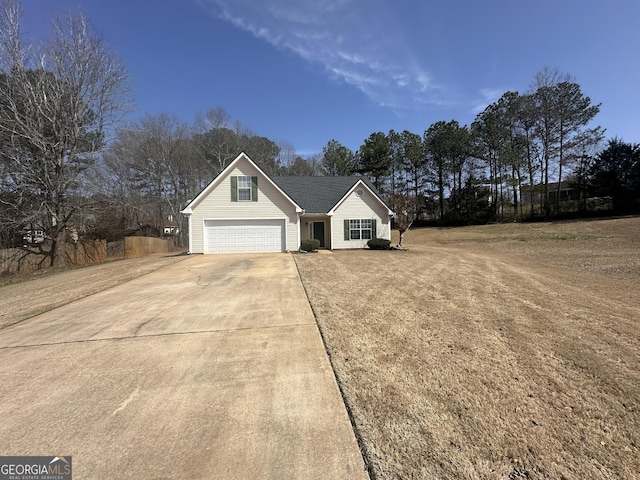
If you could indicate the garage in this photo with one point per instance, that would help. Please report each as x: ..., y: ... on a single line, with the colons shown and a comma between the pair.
x: 244, y: 236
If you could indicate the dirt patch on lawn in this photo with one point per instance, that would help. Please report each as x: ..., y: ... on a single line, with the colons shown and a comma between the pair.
x: 507, y: 351
x: 27, y: 295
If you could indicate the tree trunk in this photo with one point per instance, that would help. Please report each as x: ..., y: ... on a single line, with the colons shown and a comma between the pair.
x: 58, y: 253
x: 560, y: 162
x: 402, y: 232
x: 441, y: 190
x: 516, y: 187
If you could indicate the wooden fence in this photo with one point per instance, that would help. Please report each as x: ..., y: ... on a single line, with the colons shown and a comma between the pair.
x: 16, y: 260
x: 141, y: 246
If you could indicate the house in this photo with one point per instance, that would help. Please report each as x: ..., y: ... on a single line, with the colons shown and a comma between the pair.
x: 33, y: 236
x: 561, y: 191
x: 245, y: 210
x: 170, y: 227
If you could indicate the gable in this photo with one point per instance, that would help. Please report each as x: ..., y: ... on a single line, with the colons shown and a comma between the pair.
x: 320, y: 195
x: 361, y: 202
x: 361, y: 194
x: 241, y: 166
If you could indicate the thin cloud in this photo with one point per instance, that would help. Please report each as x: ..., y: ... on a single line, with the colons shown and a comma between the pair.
x: 341, y: 37
x: 489, y: 96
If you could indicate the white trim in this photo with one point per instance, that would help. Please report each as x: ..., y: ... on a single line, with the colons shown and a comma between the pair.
x: 216, y: 181
x: 332, y: 233
x: 190, y: 234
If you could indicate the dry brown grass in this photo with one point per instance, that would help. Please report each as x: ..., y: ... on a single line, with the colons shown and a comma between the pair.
x: 505, y: 351
x: 54, y: 287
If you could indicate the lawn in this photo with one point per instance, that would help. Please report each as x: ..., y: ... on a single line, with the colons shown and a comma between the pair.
x: 503, y: 351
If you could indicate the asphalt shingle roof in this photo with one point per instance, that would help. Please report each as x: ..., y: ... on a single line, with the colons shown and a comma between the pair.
x: 318, y: 194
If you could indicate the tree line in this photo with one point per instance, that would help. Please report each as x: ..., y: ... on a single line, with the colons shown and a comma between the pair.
x: 70, y: 168
x: 524, y: 156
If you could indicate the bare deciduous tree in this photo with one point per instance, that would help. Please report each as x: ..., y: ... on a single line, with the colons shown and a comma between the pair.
x: 57, y: 103
x: 154, y: 162
x: 404, y: 207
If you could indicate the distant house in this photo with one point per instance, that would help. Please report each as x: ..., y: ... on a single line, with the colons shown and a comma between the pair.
x: 33, y: 236
x: 170, y: 226
x: 144, y: 225
x: 561, y: 191
x: 245, y: 210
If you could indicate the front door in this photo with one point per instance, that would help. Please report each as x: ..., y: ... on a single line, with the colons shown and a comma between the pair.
x: 318, y: 232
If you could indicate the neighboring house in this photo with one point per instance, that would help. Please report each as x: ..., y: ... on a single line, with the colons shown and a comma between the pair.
x: 245, y: 210
x: 33, y: 236
x: 170, y: 227
x: 144, y: 225
x: 561, y: 191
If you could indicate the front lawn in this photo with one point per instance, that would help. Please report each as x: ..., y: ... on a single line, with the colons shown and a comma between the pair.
x: 489, y: 352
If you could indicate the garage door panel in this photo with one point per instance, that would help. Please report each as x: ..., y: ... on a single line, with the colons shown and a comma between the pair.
x: 239, y: 236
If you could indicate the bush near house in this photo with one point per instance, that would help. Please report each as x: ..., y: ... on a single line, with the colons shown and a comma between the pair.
x: 310, y: 245
x: 379, y: 244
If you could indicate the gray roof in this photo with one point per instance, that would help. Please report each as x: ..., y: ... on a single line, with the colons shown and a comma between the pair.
x: 318, y: 194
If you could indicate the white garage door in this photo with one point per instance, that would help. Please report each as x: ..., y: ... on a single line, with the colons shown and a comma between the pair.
x: 239, y: 236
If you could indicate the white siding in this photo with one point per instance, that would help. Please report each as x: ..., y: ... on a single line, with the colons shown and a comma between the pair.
x: 353, y: 207
x: 217, y: 205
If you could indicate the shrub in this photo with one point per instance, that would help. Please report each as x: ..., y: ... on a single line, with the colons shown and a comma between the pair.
x: 379, y: 244
x: 310, y: 245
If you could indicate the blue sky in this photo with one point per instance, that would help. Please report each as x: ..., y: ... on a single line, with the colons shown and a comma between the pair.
x: 307, y: 72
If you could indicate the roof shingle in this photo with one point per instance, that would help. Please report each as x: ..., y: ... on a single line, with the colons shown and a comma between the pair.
x: 318, y: 194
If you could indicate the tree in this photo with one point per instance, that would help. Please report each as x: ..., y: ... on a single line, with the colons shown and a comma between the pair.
x: 215, y: 141
x: 154, y: 159
x: 562, y: 114
x: 615, y: 173
x: 218, y: 143
x: 574, y: 112
x: 472, y: 204
x: 287, y: 156
x: 527, y: 116
x: 396, y: 169
x: 500, y: 142
x: 337, y: 160
x: 315, y: 161
x: 546, y: 121
x: 587, y: 147
x: 404, y: 207
x: 300, y: 167
x: 374, y: 158
x: 447, y: 147
x: 57, y: 102
x: 264, y: 152
x: 414, y: 163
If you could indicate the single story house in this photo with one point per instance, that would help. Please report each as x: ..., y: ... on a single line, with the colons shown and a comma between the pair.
x: 245, y: 210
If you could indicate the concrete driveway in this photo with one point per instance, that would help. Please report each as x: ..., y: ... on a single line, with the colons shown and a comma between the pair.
x: 210, y: 368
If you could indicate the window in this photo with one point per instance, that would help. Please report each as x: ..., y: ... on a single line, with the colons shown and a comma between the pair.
x: 365, y: 226
x: 244, y: 189
x: 354, y: 228
x: 360, y: 229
